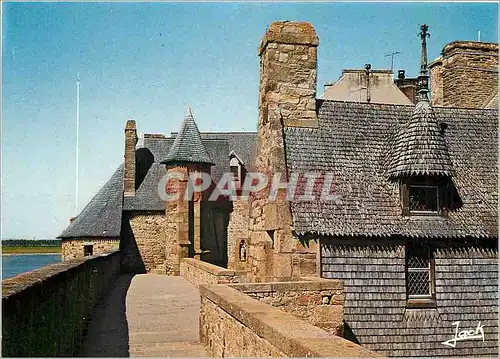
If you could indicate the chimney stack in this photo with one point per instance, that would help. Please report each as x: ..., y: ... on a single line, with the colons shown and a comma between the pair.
x: 288, y: 71
x: 465, y: 75
x: 129, y: 169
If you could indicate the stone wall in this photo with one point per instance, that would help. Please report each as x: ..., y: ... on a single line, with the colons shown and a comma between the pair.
x: 146, y: 241
x: 466, y: 75
x: 288, y: 71
x: 234, y: 325
x: 376, y: 310
x: 177, y: 228
x: 45, y: 311
x: 199, y: 272
x: 237, y: 232
x: 74, y: 248
x: 319, y: 302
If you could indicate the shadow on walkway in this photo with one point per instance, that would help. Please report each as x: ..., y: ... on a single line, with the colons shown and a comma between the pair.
x: 107, y: 333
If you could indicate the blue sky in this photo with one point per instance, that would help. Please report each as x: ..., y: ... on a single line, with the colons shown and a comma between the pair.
x: 149, y: 61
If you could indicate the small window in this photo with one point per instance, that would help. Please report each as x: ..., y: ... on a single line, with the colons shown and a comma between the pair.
x: 423, y: 198
x: 236, y: 173
x: 235, y: 166
x: 88, y: 250
x: 419, y: 274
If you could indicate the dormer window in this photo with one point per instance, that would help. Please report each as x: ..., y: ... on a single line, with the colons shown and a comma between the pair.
x: 423, y: 199
x: 424, y: 196
x: 237, y: 169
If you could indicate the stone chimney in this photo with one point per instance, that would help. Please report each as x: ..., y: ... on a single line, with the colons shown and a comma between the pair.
x: 288, y: 71
x: 465, y: 75
x: 129, y: 169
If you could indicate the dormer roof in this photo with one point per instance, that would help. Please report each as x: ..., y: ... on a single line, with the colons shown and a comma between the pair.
x: 188, y: 146
x: 419, y: 147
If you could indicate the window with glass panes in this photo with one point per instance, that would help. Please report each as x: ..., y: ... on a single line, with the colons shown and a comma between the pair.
x: 419, y: 272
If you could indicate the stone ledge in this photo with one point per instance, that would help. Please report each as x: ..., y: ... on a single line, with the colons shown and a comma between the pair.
x: 286, y: 332
x: 308, y: 284
x: 199, y: 272
x: 24, y: 281
x: 211, y: 268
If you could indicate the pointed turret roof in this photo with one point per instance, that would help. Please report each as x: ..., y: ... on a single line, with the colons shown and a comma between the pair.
x: 187, y: 146
x: 419, y: 147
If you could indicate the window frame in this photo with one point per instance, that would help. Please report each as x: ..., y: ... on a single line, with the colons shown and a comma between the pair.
x: 429, y: 212
x: 421, y: 300
x: 442, y: 185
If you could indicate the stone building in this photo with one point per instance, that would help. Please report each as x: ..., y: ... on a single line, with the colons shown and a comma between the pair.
x: 152, y: 234
x: 367, y: 85
x: 409, y: 224
x: 413, y: 234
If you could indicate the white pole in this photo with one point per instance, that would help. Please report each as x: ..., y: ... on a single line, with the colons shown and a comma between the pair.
x: 479, y: 36
x: 77, y: 137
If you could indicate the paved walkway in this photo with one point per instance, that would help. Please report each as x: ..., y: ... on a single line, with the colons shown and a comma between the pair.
x: 146, y: 315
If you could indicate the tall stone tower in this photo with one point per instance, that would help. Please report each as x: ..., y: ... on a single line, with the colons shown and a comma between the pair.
x: 288, y: 71
x: 465, y: 75
x: 184, y: 232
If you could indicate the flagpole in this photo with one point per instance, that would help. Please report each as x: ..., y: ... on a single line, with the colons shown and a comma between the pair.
x: 77, y: 138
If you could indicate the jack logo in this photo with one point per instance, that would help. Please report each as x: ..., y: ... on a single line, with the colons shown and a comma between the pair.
x: 478, y: 333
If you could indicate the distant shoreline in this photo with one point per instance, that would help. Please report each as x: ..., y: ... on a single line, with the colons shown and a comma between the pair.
x: 8, y: 250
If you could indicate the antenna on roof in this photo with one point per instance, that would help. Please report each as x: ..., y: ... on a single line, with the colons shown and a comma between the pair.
x: 392, y: 55
x: 77, y: 137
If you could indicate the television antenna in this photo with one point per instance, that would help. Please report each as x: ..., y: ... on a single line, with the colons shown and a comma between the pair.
x: 392, y: 55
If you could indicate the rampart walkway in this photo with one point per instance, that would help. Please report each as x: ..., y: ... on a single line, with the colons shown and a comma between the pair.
x: 146, y: 315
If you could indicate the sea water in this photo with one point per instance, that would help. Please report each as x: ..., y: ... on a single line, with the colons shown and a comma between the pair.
x: 15, y: 264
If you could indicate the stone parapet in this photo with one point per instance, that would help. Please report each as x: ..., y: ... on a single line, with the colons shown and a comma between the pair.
x: 45, y: 311
x: 199, y: 272
x: 315, y: 300
x: 232, y: 324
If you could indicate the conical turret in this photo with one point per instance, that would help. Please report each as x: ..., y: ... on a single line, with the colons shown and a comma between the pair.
x: 187, y: 146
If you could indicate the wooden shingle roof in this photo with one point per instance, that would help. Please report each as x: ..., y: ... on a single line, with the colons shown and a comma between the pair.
x: 419, y: 147
x: 353, y: 142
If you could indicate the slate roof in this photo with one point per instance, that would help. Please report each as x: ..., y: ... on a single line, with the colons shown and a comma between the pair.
x: 102, y: 216
x: 218, y: 146
x: 243, y: 144
x: 492, y: 101
x: 146, y: 197
x: 419, y: 147
x: 353, y: 141
x: 187, y: 146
